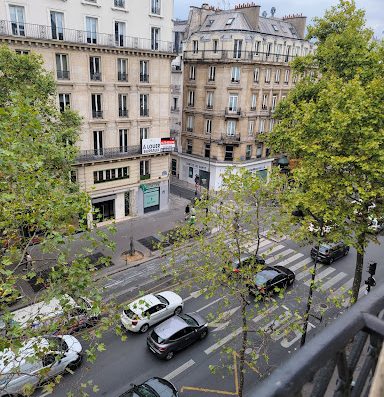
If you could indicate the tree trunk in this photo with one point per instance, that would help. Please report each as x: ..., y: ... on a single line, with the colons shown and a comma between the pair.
x: 243, y: 346
x: 358, y: 269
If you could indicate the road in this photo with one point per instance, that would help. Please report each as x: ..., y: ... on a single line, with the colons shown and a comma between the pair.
x: 130, y: 362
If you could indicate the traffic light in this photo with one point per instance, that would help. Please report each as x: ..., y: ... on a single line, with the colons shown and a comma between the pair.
x: 372, y: 268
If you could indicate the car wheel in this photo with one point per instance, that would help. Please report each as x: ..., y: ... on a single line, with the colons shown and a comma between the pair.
x: 169, y: 355
x: 144, y: 328
x: 204, y: 334
x: 331, y: 260
x: 346, y: 252
x: 178, y: 310
x: 75, y: 364
x: 291, y: 281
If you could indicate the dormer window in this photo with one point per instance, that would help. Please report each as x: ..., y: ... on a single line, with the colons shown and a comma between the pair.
x: 209, y: 23
x: 230, y: 20
x: 275, y: 28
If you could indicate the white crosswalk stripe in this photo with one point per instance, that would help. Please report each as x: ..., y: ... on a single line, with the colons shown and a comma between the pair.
x: 321, y: 275
x: 302, y: 263
x: 285, y: 262
x: 279, y: 256
x: 331, y: 282
x: 253, y: 246
x: 307, y: 272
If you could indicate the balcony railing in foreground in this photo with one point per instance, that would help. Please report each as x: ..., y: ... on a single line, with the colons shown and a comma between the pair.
x: 108, y: 153
x: 348, y: 348
x: 43, y: 32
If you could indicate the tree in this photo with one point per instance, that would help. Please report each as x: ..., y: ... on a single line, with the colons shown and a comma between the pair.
x: 333, y: 124
x: 38, y: 200
x: 238, y: 214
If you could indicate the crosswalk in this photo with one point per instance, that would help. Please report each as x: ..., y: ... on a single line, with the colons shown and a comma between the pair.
x: 335, y: 284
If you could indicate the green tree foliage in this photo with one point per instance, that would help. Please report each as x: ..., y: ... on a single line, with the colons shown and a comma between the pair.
x: 38, y: 200
x: 229, y: 226
x: 333, y: 125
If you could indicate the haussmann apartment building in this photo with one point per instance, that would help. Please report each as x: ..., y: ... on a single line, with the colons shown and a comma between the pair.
x: 112, y: 63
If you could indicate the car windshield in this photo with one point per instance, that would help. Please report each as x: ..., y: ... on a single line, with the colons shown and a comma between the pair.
x: 324, y: 249
x: 144, y: 391
x: 189, y: 320
x: 157, y: 338
x: 264, y: 276
x: 162, y: 299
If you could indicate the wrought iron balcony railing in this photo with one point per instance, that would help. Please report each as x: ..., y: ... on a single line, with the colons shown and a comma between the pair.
x: 95, y: 76
x: 97, y: 114
x: 225, y: 138
x: 123, y: 112
x: 144, y: 78
x: 108, y: 153
x: 62, y: 74
x: 43, y: 32
x: 122, y: 76
x: 233, y: 112
x: 346, y: 351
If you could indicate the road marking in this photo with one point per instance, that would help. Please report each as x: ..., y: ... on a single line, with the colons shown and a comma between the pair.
x: 279, y: 256
x: 321, y: 275
x: 252, y: 246
x: 224, y: 316
x: 179, y: 370
x: 209, y: 304
x: 300, y: 264
x: 332, y: 281
x: 291, y: 259
x: 223, y: 341
x: 273, y: 250
x: 261, y: 316
x: 308, y: 271
x: 343, y: 289
x: 195, y: 294
x: 201, y: 389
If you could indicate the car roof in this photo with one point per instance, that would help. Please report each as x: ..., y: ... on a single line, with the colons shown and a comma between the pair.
x: 170, y: 327
x: 268, y: 274
x: 142, y: 304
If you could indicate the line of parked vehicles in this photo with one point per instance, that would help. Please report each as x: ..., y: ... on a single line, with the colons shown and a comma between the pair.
x: 176, y: 331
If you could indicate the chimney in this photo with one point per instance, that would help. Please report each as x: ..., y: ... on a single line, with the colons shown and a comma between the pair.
x: 299, y: 22
x: 251, y: 12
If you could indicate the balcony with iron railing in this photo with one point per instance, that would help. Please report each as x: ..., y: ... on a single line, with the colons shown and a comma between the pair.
x: 108, y: 153
x: 62, y: 74
x: 246, y: 56
x: 97, y: 114
x: 123, y: 112
x: 341, y: 360
x: 75, y: 36
x: 121, y: 76
x: 144, y: 78
x: 144, y: 112
x: 95, y: 76
x: 230, y: 139
x: 233, y: 112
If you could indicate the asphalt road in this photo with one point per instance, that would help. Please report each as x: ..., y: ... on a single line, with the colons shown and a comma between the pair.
x: 130, y: 362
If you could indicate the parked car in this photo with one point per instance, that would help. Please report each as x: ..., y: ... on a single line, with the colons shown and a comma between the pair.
x: 271, y: 279
x: 153, y: 387
x: 246, y: 260
x: 329, y: 252
x: 38, y: 360
x: 176, y: 333
x: 151, y: 309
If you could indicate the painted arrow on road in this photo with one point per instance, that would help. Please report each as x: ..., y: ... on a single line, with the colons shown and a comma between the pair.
x: 224, y: 316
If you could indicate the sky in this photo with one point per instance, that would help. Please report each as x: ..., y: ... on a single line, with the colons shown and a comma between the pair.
x: 310, y: 8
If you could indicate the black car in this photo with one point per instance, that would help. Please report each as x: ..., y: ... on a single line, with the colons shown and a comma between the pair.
x: 271, y: 279
x: 153, y: 387
x: 247, y: 260
x: 176, y: 333
x: 329, y: 252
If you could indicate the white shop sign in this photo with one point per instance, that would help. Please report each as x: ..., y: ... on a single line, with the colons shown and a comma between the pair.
x: 151, y: 145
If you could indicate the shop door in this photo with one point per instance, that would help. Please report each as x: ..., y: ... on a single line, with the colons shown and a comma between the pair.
x: 152, y: 199
x: 105, y: 210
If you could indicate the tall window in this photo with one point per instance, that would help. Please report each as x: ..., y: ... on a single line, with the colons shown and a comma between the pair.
x: 62, y: 70
x: 235, y: 74
x: 237, y: 48
x: 262, y: 126
x: 97, y: 111
x: 123, y: 105
x: 231, y: 127
x: 17, y: 20
x: 144, y: 105
x: 259, y: 150
x: 232, y: 104
x: 123, y: 140
x: 274, y: 101
x: 257, y: 47
x: 228, y: 153
x: 145, y: 169
x: 211, y: 73
x: 268, y: 75
x: 91, y: 28
x: 248, y: 152
x: 64, y: 101
x: 271, y: 124
x: 264, y: 105
x: 95, y: 68
x: 57, y: 25
x: 286, y: 77
x: 192, y: 72
x: 191, y: 98
x: 122, y: 69
x: 279, y: 51
x: 195, y: 46
x: 119, y: 33
x: 256, y: 73
x: 251, y: 127
x: 155, y: 7
x: 189, y: 123
x: 207, y: 150
x: 98, y: 143
x: 155, y: 38
x: 144, y: 69
x: 253, y: 101
x: 209, y: 100
x: 189, y: 146
x: 208, y: 126
x: 277, y: 76
x: 287, y: 53
x: 144, y: 133
x: 215, y: 46
x: 269, y: 49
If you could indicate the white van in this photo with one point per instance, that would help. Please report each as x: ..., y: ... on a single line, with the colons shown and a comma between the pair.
x: 72, y: 315
x: 36, y: 361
